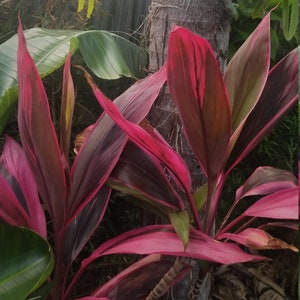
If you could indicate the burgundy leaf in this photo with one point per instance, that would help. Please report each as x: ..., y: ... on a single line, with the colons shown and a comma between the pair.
x: 142, y: 138
x: 19, y: 199
x: 138, y: 279
x: 84, y: 225
x: 280, y: 94
x: 142, y: 176
x: 38, y: 136
x: 246, y: 74
x: 103, y: 146
x: 266, y: 180
x: 197, y: 87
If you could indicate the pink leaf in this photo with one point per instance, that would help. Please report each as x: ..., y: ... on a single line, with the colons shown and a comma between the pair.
x: 266, y: 180
x: 38, y: 135
x: 196, y: 85
x: 257, y: 239
x: 162, y: 239
x: 280, y: 205
x: 20, y: 205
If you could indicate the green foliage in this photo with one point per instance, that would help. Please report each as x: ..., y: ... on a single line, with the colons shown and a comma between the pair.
x: 90, y: 8
x: 284, y: 25
x: 26, y: 261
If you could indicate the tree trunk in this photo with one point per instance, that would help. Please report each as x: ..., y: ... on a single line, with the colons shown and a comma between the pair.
x: 211, y: 20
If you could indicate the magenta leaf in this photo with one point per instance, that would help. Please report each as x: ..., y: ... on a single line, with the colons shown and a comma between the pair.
x: 20, y: 205
x: 197, y: 87
x: 246, y: 74
x: 257, y: 239
x: 162, y: 239
x: 280, y: 94
x: 103, y: 146
x: 38, y: 136
x: 279, y: 205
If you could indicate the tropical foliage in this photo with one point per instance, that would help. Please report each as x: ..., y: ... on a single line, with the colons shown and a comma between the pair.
x: 223, y: 119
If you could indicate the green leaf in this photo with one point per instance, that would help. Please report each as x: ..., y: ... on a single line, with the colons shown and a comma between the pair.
x: 200, y: 196
x: 107, y: 55
x: 181, y: 224
x: 289, y: 18
x: 26, y: 261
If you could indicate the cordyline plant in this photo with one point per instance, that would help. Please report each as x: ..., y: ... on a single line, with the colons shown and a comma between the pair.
x: 122, y: 153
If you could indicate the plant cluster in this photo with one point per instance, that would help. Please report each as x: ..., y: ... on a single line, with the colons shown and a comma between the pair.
x: 224, y: 118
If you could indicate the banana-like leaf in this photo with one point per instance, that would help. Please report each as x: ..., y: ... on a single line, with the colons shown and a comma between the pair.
x: 26, y: 261
x: 109, y: 56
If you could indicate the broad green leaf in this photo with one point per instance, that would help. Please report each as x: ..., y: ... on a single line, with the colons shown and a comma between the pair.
x: 107, y: 55
x: 26, y: 261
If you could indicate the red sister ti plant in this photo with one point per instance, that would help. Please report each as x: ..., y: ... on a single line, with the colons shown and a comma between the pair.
x: 223, y: 120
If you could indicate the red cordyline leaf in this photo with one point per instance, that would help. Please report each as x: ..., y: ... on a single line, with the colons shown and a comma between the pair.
x: 20, y: 205
x: 257, y: 239
x: 197, y: 87
x: 280, y: 205
x: 67, y: 109
x: 162, y: 239
x: 142, y: 175
x: 266, y: 180
x: 280, y: 94
x: 246, y: 75
x: 38, y: 136
x: 139, y: 136
x: 139, y: 278
x: 103, y: 146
